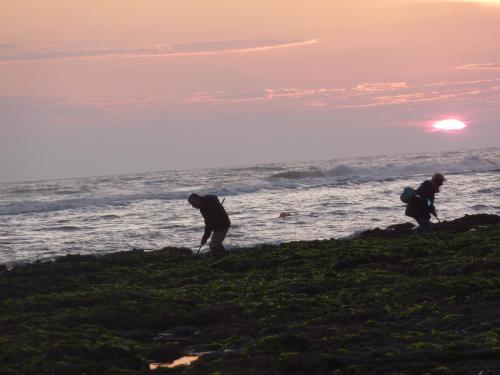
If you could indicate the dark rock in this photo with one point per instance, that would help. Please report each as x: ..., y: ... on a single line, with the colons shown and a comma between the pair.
x: 175, y: 252
x: 308, y: 363
x: 396, y: 302
x: 138, y: 334
x: 462, y: 224
x: 467, y: 222
x: 222, y: 313
x: 159, y: 352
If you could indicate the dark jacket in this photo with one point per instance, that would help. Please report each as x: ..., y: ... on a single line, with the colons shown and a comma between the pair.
x: 421, y: 205
x: 215, y: 215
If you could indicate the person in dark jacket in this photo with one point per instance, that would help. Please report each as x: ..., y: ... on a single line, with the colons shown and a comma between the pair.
x: 217, y: 222
x: 421, y: 205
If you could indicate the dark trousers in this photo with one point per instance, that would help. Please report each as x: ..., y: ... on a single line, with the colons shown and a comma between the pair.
x: 217, y: 239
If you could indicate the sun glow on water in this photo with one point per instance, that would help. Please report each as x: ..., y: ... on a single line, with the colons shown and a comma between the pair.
x: 449, y: 125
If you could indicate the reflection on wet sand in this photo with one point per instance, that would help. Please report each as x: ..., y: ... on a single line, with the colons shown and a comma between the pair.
x: 183, y: 361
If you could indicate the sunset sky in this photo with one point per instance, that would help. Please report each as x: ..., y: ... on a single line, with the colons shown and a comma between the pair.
x: 118, y: 86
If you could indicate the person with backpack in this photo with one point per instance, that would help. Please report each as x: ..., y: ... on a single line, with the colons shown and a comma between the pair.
x: 217, y: 221
x: 421, y: 203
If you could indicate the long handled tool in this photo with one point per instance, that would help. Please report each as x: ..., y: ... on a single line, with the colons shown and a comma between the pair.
x: 198, y: 252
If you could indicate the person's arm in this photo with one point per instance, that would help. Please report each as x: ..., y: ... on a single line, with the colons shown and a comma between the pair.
x: 209, y: 222
x: 207, y: 233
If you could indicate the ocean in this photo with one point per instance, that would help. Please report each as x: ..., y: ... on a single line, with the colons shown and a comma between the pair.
x: 337, y: 198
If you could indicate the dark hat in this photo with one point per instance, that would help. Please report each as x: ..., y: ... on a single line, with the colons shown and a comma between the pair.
x: 193, y: 197
x: 438, y: 177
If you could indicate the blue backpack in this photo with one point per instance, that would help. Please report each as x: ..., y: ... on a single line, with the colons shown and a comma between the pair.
x: 407, y: 194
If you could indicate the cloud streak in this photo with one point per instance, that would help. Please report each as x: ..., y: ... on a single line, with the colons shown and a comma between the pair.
x: 385, y: 86
x: 483, y: 94
x: 486, y: 66
x: 211, y: 48
x: 478, y: 2
x: 116, y: 105
x: 363, y: 95
x: 261, y: 96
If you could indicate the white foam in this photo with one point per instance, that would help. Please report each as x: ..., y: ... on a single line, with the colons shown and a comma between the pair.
x: 355, y: 172
x: 120, y: 191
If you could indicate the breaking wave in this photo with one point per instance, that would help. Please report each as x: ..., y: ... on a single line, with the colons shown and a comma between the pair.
x: 377, y: 172
x: 295, y: 175
x: 33, y: 206
x: 121, y: 191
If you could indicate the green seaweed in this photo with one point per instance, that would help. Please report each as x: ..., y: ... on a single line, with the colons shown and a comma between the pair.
x: 388, y: 304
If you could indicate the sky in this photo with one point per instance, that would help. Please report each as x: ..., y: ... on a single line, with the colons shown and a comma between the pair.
x: 103, y: 87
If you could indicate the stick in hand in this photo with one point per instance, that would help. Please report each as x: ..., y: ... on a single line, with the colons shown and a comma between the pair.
x: 198, y: 252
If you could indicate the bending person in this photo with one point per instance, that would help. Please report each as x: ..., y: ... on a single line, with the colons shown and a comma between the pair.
x: 421, y: 204
x: 217, y: 221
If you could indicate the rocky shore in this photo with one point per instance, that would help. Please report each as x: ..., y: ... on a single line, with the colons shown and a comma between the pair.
x: 390, y: 301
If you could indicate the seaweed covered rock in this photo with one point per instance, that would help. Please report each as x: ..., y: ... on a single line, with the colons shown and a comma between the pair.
x: 391, y: 301
x: 467, y: 222
x: 462, y: 224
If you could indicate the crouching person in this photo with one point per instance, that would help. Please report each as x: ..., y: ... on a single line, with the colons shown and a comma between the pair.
x: 421, y: 204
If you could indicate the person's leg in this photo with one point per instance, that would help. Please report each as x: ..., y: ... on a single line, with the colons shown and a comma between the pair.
x: 424, y: 224
x: 215, y: 245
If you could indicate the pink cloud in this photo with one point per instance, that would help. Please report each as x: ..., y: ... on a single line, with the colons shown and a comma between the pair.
x: 317, y: 104
x: 360, y: 96
x: 421, y: 97
x: 16, y: 54
x: 381, y: 86
x: 260, y: 96
x: 460, y: 83
x: 300, y: 93
x: 201, y: 97
x: 118, y: 105
x: 485, y: 66
x: 313, y: 99
x: 363, y: 95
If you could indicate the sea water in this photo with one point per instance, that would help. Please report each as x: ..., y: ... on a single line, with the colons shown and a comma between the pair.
x: 324, y: 199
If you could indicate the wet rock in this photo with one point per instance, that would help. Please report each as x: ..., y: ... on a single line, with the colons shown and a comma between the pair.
x: 138, y: 334
x: 3, y: 268
x: 282, y: 343
x: 222, y: 313
x: 175, y: 252
x: 234, y: 264
x: 462, y: 224
x: 184, y: 331
x: 383, y: 304
x: 163, y: 352
x: 308, y: 363
x: 64, y: 368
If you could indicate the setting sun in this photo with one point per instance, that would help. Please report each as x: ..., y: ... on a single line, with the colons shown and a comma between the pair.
x: 449, y: 124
